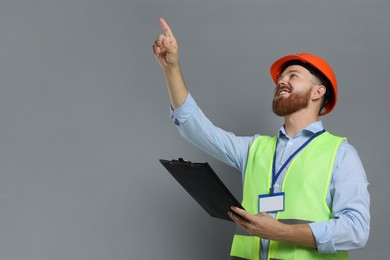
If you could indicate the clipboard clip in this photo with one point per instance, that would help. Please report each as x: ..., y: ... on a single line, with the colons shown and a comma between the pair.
x: 181, y: 160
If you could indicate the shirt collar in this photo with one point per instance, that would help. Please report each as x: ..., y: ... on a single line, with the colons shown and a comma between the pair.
x: 307, y: 131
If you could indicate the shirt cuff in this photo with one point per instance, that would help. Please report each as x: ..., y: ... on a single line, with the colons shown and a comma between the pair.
x: 323, y: 237
x: 183, y: 112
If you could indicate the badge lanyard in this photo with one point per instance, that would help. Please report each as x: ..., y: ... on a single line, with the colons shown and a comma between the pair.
x: 275, y: 175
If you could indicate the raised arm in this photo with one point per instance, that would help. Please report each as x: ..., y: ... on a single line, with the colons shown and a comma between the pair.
x: 166, y: 51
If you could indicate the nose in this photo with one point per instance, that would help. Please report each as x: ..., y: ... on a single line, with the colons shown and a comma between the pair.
x: 282, y: 81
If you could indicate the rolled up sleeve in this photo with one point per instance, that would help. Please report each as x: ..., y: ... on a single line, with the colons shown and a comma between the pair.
x: 181, y: 114
x: 323, y: 237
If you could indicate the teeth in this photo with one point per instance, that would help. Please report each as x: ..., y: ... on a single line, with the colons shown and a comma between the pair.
x: 283, y: 92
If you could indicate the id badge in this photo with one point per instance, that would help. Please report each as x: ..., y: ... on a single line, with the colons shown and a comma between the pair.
x: 271, y: 203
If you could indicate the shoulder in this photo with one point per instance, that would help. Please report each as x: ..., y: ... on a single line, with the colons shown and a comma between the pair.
x: 347, y: 150
x: 348, y: 165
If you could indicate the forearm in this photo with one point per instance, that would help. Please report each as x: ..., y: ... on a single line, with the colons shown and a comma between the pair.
x: 265, y: 226
x: 166, y: 51
x: 298, y: 234
x: 177, y: 89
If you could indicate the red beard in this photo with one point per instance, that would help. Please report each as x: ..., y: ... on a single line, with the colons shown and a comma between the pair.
x: 293, y: 103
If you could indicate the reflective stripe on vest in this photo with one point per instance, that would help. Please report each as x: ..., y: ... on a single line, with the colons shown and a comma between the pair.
x: 311, y: 171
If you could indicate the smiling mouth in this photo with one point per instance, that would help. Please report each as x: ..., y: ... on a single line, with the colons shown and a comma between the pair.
x: 282, y: 92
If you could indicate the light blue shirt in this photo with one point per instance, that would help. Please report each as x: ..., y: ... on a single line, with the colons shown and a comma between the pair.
x: 347, y: 196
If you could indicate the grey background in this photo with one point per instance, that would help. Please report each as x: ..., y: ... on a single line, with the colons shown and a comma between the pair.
x: 84, y: 116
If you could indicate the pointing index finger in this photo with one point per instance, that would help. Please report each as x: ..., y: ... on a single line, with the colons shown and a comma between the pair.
x: 166, y: 28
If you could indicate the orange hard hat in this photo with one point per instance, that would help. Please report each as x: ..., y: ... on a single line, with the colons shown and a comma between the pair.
x: 320, y: 66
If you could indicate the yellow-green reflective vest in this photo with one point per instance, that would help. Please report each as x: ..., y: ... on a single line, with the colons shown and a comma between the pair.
x: 305, y: 185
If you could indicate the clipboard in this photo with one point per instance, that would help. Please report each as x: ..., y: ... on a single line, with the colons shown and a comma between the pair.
x: 203, y: 184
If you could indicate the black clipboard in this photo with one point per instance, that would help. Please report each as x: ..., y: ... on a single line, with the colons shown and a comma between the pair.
x: 203, y: 184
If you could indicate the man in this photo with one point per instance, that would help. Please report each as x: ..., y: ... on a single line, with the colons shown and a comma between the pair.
x: 305, y: 190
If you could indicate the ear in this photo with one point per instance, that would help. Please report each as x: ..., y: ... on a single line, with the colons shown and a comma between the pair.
x: 318, y: 92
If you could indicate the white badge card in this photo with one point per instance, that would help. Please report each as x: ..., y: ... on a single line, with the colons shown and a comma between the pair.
x: 271, y: 203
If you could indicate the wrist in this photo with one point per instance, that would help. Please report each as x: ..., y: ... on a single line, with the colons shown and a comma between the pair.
x: 170, y: 68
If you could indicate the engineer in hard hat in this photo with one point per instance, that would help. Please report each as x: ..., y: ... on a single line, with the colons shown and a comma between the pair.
x: 305, y: 190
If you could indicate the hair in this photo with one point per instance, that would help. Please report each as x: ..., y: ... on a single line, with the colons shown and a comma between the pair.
x: 319, y: 78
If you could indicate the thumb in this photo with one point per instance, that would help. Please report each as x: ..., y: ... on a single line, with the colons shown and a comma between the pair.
x: 165, y: 43
x: 169, y: 43
x: 170, y: 46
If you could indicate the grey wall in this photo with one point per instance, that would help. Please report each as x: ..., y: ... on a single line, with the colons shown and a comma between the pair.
x: 84, y: 116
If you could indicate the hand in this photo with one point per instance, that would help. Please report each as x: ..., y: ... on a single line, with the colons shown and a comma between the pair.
x: 261, y: 225
x: 165, y: 48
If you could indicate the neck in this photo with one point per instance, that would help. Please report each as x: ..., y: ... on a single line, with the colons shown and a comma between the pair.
x: 297, y: 121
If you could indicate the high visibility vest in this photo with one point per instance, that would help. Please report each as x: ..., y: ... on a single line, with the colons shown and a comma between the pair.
x: 305, y: 184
